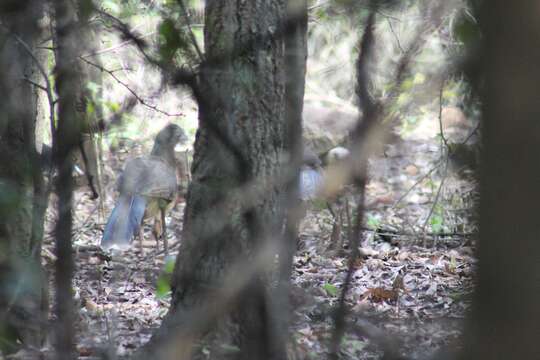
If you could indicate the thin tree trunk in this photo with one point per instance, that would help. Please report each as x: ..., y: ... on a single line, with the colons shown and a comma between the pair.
x: 295, y: 75
x: 67, y: 139
x: 505, y: 322
x: 23, y: 294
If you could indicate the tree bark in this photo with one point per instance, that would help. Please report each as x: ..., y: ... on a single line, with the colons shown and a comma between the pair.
x: 220, y: 287
x: 505, y: 322
x: 295, y: 78
x: 23, y: 287
x: 66, y: 140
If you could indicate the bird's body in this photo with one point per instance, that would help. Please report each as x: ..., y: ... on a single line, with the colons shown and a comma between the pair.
x: 310, y: 182
x: 310, y: 175
x: 328, y: 183
x: 147, y: 189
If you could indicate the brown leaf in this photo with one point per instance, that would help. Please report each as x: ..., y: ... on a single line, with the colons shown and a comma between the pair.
x: 381, y: 294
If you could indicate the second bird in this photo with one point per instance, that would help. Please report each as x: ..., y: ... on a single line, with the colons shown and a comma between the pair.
x: 147, y: 189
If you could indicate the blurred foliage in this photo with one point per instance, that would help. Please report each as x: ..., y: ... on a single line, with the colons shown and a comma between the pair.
x: 373, y: 222
x: 163, y: 286
x: 466, y: 30
x: 331, y: 290
x: 436, y: 220
x: 175, y: 45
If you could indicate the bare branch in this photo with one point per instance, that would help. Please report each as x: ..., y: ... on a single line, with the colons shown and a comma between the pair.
x: 41, y: 87
x: 117, y: 46
x: 395, y: 35
x: 48, y: 86
x: 125, y: 85
x: 444, y: 142
x: 435, y: 202
x: 190, y: 30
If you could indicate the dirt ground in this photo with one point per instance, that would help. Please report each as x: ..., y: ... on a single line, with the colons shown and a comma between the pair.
x: 414, y: 282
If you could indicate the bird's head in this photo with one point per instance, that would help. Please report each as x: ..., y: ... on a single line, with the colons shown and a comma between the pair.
x: 336, y: 155
x: 310, y: 159
x: 172, y: 135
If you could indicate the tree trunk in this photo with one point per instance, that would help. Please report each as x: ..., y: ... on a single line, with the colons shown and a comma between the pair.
x: 89, y: 111
x: 66, y: 140
x: 505, y: 323
x: 219, y: 285
x: 295, y: 75
x: 23, y: 295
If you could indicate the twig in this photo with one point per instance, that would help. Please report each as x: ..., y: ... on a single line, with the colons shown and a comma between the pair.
x: 117, y: 46
x: 360, y: 133
x: 380, y: 231
x: 153, y: 254
x: 125, y: 85
x: 395, y: 35
x: 432, y: 209
x: 477, y: 127
x: 313, y: 7
x: 422, y: 178
x: 443, y: 138
x: 190, y: 30
x: 41, y: 87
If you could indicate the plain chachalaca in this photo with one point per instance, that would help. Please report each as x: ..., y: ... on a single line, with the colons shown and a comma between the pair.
x: 326, y: 180
x: 147, y: 189
x: 312, y: 172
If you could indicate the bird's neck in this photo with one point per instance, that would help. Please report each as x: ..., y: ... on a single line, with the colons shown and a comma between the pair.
x: 164, y: 152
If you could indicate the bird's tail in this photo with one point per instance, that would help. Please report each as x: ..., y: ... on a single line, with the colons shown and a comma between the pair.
x: 124, y: 221
x: 310, y: 182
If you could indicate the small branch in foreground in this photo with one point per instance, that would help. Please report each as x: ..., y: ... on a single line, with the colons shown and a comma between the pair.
x: 190, y: 30
x: 395, y: 35
x: 125, y: 85
x: 435, y: 202
x: 441, y: 129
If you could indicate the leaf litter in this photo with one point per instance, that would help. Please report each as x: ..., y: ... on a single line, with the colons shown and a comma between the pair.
x: 416, y: 295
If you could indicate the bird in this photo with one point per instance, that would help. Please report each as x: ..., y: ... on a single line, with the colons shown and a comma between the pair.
x: 311, y: 175
x: 313, y: 171
x: 323, y: 180
x: 147, y: 189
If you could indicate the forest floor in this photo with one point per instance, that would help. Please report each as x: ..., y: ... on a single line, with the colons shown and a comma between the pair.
x: 413, y: 284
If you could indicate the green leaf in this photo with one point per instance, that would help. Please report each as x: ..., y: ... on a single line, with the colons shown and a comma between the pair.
x: 373, y: 222
x: 163, y: 287
x: 407, y: 84
x: 403, y: 98
x: 319, y: 204
x: 93, y: 87
x: 169, y: 265
x: 419, y: 79
x: 436, y: 223
x: 330, y: 289
x: 112, y: 106
x: 90, y: 108
x: 230, y: 348
x: 170, y: 39
x: 466, y: 30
